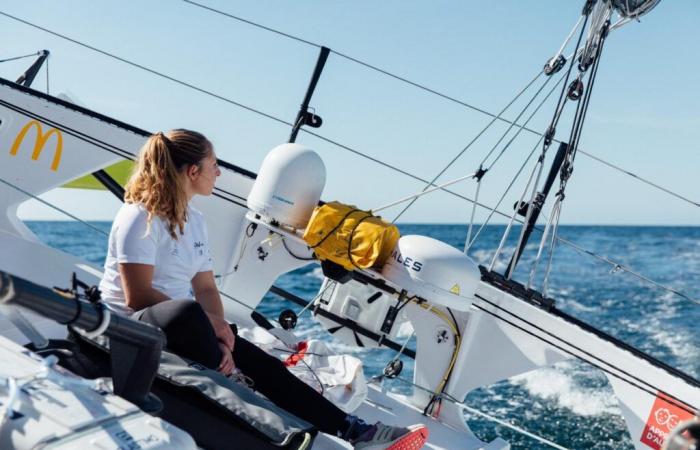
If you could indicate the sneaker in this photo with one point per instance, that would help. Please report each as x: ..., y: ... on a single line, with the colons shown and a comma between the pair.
x: 385, y: 437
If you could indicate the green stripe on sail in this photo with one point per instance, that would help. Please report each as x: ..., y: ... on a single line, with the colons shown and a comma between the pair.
x: 119, y: 171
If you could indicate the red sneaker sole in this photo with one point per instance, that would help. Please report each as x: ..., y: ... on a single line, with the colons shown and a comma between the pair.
x: 412, y: 441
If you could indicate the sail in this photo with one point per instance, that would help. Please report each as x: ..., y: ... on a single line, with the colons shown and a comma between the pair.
x: 120, y: 172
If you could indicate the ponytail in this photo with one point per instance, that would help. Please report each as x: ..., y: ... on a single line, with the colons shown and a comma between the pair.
x: 157, y: 184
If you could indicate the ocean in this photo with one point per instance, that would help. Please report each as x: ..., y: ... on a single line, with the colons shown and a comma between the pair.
x: 569, y: 403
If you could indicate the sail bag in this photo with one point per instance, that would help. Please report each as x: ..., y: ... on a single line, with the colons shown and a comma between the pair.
x: 218, y: 412
x: 350, y: 237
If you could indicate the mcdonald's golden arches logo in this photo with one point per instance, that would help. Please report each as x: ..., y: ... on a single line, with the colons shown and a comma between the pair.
x: 40, y: 142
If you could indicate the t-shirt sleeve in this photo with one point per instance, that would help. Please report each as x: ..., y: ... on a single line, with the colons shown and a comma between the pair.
x: 133, y: 244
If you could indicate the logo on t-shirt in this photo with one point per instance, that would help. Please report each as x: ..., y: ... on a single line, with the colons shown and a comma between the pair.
x: 198, y: 247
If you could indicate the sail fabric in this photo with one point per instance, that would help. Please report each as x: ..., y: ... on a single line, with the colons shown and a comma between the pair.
x: 350, y: 237
x: 120, y: 171
x: 339, y: 378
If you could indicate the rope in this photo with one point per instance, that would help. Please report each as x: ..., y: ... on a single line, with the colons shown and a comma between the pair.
x: 566, y: 347
x: 510, y: 127
x: 468, y: 240
x: 430, y: 91
x: 147, y: 69
x: 251, y: 23
x: 643, y: 180
x: 551, y: 130
x: 422, y: 193
x: 556, y: 217
x: 475, y: 411
x: 20, y: 57
x: 503, y: 196
x: 617, y: 267
x: 520, y: 129
x: 568, y: 38
x: 478, y: 135
x: 375, y: 160
x: 567, y: 167
x: 404, y: 80
x: 540, y: 249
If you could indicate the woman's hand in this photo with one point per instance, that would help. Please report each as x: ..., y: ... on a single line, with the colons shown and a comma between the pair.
x: 226, y: 365
x: 222, y: 330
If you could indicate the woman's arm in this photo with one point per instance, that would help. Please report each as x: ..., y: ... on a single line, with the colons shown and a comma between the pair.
x: 137, y: 284
x: 207, y: 294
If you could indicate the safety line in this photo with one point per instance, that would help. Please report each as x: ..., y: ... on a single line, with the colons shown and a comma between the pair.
x: 475, y: 411
x: 654, y: 391
x: 44, y: 202
x: 442, y: 95
x: 336, y: 143
x: 20, y: 57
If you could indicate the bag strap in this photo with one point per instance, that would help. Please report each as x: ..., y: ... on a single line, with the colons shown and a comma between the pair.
x: 335, y: 228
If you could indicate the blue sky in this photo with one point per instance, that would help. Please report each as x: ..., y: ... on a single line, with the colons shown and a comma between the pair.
x: 644, y: 113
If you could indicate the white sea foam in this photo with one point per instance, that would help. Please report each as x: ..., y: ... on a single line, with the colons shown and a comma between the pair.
x: 681, y: 345
x: 317, y: 272
x: 573, y: 305
x: 554, y: 385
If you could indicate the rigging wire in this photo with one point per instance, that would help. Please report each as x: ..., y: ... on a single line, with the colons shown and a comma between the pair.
x: 432, y: 91
x: 54, y: 207
x: 535, y: 196
x: 284, y: 122
x: 115, y: 150
x: 574, y: 139
x: 361, y: 154
x: 469, y: 241
x: 478, y: 135
x: 20, y: 57
x: 515, y: 121
x: 47, y: 75
x: 503, y: 196
x: 521, y: 127
x: 474, y: 411
x: 147, y: 69
x: 571, y: 348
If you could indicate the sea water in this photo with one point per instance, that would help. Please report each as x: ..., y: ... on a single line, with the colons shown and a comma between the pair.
x: 569, y: 403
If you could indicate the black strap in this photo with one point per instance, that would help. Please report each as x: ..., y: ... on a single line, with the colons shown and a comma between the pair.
x: 335, y: 228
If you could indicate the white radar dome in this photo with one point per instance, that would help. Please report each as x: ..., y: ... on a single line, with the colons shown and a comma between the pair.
x: 433, y: 270
x: 289, y: 185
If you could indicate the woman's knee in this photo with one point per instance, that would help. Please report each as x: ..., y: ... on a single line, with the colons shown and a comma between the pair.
x: 250, y: 358
x: 182, y: 313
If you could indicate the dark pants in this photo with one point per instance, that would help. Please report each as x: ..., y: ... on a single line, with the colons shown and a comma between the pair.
x: 191, y: 335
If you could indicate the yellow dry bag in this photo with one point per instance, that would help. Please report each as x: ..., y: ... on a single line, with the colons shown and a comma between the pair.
x: 349, y: 236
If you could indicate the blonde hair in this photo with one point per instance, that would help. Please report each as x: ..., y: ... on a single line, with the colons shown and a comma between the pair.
x: 156, y: 182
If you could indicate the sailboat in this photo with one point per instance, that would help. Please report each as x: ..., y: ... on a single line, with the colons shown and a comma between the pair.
x: 473, y: 325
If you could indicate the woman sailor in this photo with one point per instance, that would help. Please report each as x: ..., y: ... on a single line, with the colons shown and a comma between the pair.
x: 158, y: 261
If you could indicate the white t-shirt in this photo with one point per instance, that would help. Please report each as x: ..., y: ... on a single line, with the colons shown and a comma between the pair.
x: 175, y: 261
